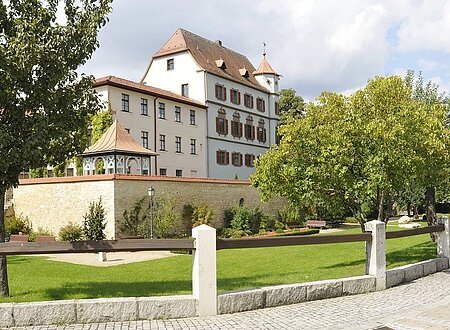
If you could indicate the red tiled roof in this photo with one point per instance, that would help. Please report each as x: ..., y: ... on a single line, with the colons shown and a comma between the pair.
x: 145, y: 89
x: 264, y: 67
x: 206, y: 52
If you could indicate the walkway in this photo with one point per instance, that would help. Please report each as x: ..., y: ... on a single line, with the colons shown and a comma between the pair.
x: 422, y: 304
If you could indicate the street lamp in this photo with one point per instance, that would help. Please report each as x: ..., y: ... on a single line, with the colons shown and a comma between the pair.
x: 151, y: 193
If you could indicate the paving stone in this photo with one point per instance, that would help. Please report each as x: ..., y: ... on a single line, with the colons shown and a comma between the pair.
x: 104, y: 310
x: 166, y: 307
x: 413, y: 272
x: 49, y: 312
x: 357, y: 285
x: 323, y: 289
x: 394, y: 277
x: 240, y: 301
x: 285, y: 294
x: 6, y: 315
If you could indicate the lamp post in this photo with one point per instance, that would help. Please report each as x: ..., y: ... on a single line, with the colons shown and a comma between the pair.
x: 151, y: 193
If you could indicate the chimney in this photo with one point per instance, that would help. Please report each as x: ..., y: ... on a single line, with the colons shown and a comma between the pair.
x: 219, y: 42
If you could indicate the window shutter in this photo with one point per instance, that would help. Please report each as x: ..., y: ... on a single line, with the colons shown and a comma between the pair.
x: 240, y: 159
x: 264, y: 135
x: 239, y: 97
x: 253, y: 133
x: 227, y: 158
x: 217, y: 91
x: 224, y: 94
x: 240, y: 129
x: 218, y: 157
x: 217, y: 125
x: 226, y: 127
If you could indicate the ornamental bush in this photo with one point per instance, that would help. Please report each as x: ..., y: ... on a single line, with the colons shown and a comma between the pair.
x: 71, y: 232
x: 94, y: 222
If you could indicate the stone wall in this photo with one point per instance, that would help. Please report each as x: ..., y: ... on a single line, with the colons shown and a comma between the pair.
x: 52, y: 203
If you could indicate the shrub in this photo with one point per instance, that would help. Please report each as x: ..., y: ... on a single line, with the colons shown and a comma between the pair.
x: 247, y: 219
x: 134, y: 222
x: 202, y: 214
x: 17, y: 224
x: 71, y: 232
x: 164, y: 216
x: 94, y: 221
x: 299, y: 232
x: 279, y: 231
x: 290, y: 214
x: 231, y: 233
x: 40, y: 232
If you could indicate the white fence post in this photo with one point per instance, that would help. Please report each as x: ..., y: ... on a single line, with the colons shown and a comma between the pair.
x: 376, y: 253
x: 443, y: 238
x: 204, y: 282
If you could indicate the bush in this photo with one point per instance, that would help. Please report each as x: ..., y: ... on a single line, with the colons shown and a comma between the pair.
x: 299, y: 232
x: 279, y: 231
x: 94, y: 221
x: 246, y: 219
x: 164, y: 216
x: 279, y: 225
x: 290, y: 215
x: 202, y: 214
x: 231, y: 233
x: 17, y: 224
x: 71, y: 232
x: 134, y: 223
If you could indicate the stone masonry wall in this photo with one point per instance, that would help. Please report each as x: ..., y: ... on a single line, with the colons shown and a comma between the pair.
x: 51, y: 203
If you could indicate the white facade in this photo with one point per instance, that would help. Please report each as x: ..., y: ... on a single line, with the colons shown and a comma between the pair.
x: 202, y: 87
x: 178, y: 136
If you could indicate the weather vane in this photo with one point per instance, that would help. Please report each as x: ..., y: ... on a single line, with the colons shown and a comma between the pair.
x: 264, y: 49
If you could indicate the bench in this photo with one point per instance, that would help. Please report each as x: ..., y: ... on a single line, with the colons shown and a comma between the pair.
x: 18, y: 238
x: 316, y: 223
x: 44, y: 239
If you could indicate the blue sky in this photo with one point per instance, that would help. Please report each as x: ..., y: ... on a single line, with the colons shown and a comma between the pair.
x: 315, y: 45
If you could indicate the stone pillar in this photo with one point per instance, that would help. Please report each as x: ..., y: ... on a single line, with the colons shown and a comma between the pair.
x: 204, y: 283
x: 376, y: 253
x: 443, y: 238
x: 102, y: 256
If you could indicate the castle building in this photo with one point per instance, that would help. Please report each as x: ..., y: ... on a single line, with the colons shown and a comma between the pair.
x: 203, y: 108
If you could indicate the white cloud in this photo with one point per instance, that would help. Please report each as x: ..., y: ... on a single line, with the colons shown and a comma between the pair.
x: 425, y: 65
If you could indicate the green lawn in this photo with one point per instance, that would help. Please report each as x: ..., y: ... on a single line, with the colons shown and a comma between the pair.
x: 35, y: 278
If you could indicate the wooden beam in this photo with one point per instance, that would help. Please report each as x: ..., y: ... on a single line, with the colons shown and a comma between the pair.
x: 243, y: 243
x: 412, y: 232
x: 20, y: 248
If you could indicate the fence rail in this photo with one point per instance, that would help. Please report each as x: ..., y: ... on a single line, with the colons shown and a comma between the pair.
x: 242, y: 243
x: 20, y: 248
x: 416, y: 231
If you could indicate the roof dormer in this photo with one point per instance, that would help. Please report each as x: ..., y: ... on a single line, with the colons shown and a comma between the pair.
x: 221, y: 63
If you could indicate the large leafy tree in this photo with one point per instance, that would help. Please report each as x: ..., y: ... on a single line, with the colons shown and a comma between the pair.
x: 354, y: 151
x: 44, y: 102
x: 291, y: 105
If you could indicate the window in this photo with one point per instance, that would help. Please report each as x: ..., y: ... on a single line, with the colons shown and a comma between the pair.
x: 222, y: 157
x: 235, y: 96
x: 249, y: 129
x: 163, y: 171
x: 249, y: 159
x: 221, y: 92
x: 70, y: 172
x: 277, y: 136
x: 261, y: 131
x: 178, y: 114
x: 170, y: 64
x: 162, y: 142
x: 193, y: 147
x: 261, y: 134
x: 248, y: 100
x: 144, y: 137
x: 260, y: 104
x: 162, y: 110
x: 221, y: 126
x: 144, y: 107
x: 236, y: 125
x: 126, y: 102
x: 221, y: 122
x: 179, y: 172
x: 236, y: 159
x: 192, y: 117
x: 185, y: 90
x: 178, y: 144
x: 277, y: 108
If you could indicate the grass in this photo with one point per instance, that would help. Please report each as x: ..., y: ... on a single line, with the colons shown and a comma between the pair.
x: 39, y: 279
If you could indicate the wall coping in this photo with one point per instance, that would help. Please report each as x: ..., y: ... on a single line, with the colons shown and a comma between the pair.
x: 128, y: 177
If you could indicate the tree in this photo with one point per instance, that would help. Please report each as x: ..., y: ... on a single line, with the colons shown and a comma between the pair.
x: 354, y: 151
x: 437, y: 175
x: 290, y: 104
x: 44, y: 103
x: 94, y: 222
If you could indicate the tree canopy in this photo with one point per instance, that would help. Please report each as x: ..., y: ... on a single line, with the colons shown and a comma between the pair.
x: 44, y: 102
x: 356, y: 151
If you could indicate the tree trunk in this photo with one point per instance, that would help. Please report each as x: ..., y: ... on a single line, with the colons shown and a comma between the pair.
x: 4, y: 288
x: 430, y: 198
x: 381, y: 198
x: 408, y: 206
